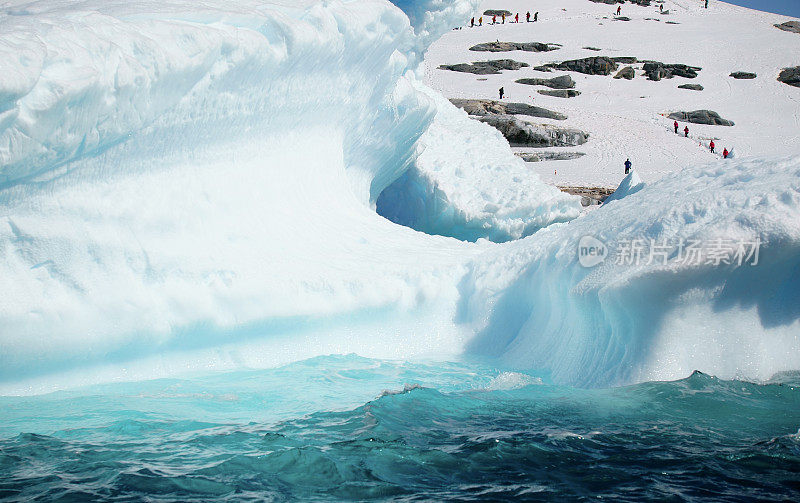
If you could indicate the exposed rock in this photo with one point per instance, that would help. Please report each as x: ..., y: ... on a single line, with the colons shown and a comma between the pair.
x: 625, y: 60
x: 743, y: 75
x: 589, y: 195
x: 622, y: 18
x: 790, y: 76
x: 671, y: 22
x: 542, y: 68
x: 793, y: 26
x: 520, y: 133
x: 485, y: 67
x: 560, y: 82
x: 592, y: 49
x: 549, y: 156
x: 495, y: 12
x: 491, y: 107
x: 596, y: 65
x: 560, y: 93
x: 627, y: 73
x: 665, y: 12
x: 656, y: 70
x: 515, y: 46
x: 693, y: 87
x: 701, y: 117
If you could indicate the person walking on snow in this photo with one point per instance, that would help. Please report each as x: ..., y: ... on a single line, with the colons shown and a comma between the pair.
x: 502, y: 92
x: 535, y: 16
x: 725, y: 153
x: 504, y: 18
x: 661, y: 8
x: 676, y: 127
x: 472, y: 23
x: 516, y: 17
x: 712, y: 146
x: 480, y: 21
x: 494, y: 19
x: 528, y: 17
x: 619, y: 10
x: 686, y: 132
x: 627, y: 166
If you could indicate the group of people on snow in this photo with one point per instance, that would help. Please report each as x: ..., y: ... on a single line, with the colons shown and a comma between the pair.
x: 503, y: 19
x: 711, y: 145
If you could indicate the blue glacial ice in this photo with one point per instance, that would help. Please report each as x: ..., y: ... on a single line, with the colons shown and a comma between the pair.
x: 187, y: 187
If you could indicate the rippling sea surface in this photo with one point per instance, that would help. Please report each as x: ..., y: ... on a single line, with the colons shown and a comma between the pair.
x: 343, y: 428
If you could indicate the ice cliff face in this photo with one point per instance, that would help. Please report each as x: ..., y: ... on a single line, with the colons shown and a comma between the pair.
x: 699, y: 271
x: 180, y: 176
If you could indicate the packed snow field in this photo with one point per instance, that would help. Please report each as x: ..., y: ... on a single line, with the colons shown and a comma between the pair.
x: 626, y: 118
x: 205, y: 287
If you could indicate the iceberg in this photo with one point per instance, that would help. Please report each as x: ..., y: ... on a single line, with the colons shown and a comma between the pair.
x: 190, y: 187
x: 700, y: 272
x: 629, y: 185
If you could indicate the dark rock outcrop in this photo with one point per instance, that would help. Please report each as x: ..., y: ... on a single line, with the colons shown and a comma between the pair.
x: 485, y: 67
x: 496, y: 12
x: 520, y: 133
x: 560, y: 93
x: 792, y: 26
x: 592, y: 49
x: 656, y: 70
x: 622, y: 18
x: 490, y: 107
x: 548, y: 156
x: 790, y: 76
x: 627, y: 73
x: 560, y: 82
x: 514, y: 46
x: 589, y: 195
x: 625, y: 60
x: 743, y: 75
x: 542, y: 68
x: 693, y: 87
x: 596, y: 65
x: 701, y: 117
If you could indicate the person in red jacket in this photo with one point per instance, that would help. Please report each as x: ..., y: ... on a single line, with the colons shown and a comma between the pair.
x: 676, y: 127
x: 712, y: 146
x: 725, y: 153
x: 619, y: 10
x: 686, y: 131
x: 516, y: 17
x: 494, y: 19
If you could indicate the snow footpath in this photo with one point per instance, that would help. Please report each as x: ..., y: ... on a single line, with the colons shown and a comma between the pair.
x: 627, y: 118
x: 191, y: 187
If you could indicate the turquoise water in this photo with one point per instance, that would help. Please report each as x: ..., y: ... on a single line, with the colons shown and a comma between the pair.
x: 349, y: 428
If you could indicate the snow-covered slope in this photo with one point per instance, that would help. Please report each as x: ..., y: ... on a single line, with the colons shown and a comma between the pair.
x: 192, y: 186
x: 625, y: 118
x: 700, y: 272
